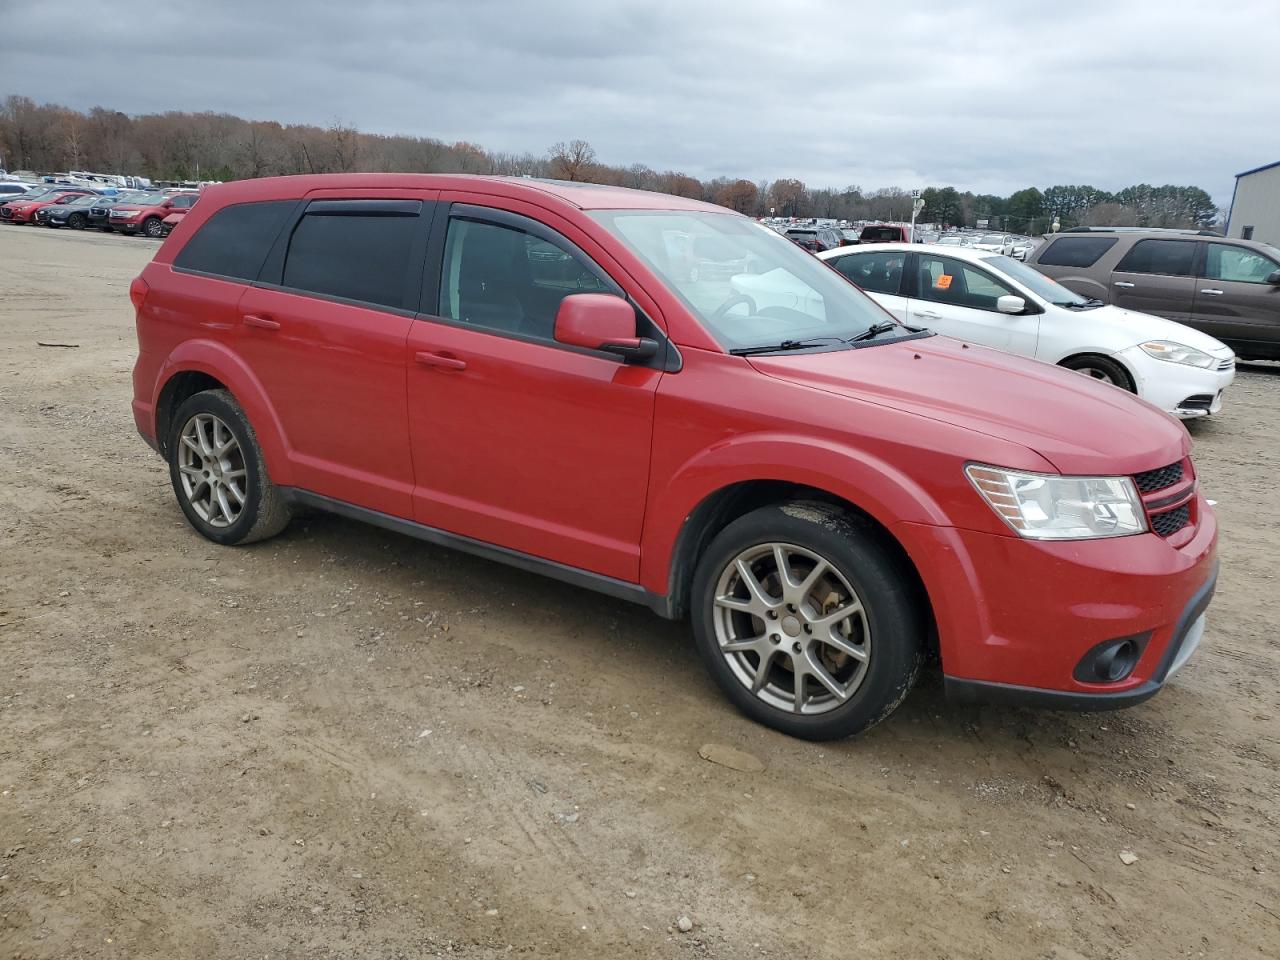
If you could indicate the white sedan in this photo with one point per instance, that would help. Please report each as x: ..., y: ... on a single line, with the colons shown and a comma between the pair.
x: 989, y: 299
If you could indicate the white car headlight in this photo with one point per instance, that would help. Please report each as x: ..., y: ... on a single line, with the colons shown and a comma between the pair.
x: 1178, y: 353
x: 1044, y: 506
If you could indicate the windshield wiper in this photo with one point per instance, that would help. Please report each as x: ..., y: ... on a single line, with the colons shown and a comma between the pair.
x: 785, y: 345
x: 874, y: 331
x: 1088, y: 303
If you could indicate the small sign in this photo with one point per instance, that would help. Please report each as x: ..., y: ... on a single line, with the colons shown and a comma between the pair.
x: 943, y: 282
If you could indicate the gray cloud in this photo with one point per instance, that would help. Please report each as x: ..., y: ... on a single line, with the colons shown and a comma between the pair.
x: 989, y: 96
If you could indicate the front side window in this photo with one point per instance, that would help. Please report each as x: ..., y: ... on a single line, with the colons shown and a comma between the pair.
x: 1076, y: 251
x: 944, y: 280
x: 235, y: 240
x: 1171, y: 258
x: 768, y: 291
x: 347, y: 249
x: 1238, y: 264
x: 878, y: 272
x: 504, y: 279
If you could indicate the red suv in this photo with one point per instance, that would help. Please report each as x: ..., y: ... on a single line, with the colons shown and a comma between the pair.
x: 146, y: 214
x: 525, y: 370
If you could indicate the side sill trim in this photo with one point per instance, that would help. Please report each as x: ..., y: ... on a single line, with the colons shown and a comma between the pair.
x: 548, y: 568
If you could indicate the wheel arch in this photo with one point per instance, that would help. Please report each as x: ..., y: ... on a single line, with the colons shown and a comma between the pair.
x: 1119, y: 361
x: 198, y: 365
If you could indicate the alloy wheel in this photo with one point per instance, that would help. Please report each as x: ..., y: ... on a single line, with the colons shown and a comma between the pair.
x: 791, y: 628
x: 212, y: 468
x: 1093, y: 373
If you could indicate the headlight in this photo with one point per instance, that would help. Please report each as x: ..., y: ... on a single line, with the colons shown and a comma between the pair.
x: 1178, y: 353
x: 1049, y: 507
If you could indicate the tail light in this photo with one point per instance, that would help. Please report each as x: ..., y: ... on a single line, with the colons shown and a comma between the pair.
x: 138, y: 290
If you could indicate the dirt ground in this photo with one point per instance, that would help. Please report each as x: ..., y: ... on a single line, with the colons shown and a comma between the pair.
x: 346, y: 743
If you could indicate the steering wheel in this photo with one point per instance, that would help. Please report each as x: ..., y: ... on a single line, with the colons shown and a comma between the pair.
x: 732, y: 302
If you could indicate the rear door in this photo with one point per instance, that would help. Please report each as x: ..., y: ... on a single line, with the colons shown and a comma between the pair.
x: 881, y: 274
x: 1235, y: 303
x: 324, y: 329
x: 1157, y: 277
x: 958, y: 299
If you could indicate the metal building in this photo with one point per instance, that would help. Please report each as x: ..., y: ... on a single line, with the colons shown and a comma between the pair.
x: 1255, y: 205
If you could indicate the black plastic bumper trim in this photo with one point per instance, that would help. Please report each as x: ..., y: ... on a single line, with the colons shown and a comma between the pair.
x: 960, y: 690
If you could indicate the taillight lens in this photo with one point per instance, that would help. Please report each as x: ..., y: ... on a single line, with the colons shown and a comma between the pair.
x: 138, y: 290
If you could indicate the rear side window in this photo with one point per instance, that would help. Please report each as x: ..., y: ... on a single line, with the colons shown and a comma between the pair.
x: 1075, y: 251
x: 235, y: 240
x: 1171, y: 258
x: 878, y: 272
x: 353, y: 250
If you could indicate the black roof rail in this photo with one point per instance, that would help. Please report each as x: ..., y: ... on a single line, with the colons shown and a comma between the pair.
x: 1184, y: 230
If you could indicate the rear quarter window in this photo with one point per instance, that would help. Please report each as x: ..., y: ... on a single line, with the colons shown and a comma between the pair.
x: 235, y: 240
x: 1075, y: 251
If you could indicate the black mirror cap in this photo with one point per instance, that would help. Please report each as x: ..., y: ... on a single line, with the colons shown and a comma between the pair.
x: 1274, y: 278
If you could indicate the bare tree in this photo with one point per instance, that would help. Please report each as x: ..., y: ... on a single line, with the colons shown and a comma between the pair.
x: 574, y: 160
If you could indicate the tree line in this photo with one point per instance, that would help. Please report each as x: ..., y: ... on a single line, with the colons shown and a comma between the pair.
x: 217, y: 146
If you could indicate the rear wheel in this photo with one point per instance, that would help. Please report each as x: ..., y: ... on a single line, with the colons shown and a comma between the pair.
x: 1103, y: 369
x: 806, y: 621
x: 217, y: 472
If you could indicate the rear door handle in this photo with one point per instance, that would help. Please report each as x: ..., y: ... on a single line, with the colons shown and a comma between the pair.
x: 1124, y: 283
x: 262, y: 323
x: 444, y: 361
x: 1212, y: 293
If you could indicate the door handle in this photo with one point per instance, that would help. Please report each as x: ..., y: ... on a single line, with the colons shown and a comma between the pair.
x: 262, y: 323
x: 444, y: 361
x: 1212, y: 293
x: 1125, y: 284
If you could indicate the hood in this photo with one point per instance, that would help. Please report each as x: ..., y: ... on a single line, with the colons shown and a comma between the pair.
x: 1079, y: 425
x: 1146, y: 327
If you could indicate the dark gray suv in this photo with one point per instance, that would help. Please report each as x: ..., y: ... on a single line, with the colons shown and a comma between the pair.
x: 1228, y: 288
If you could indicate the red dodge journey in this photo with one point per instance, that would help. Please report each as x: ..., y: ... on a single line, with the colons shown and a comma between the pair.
x: 529, y: 371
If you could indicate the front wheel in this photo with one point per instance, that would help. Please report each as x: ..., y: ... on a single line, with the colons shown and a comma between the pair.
x: 1103, y: 369
x: 152, y: 227
x: 76, y: 221
x: 217, y: 472
x: 806, y: 621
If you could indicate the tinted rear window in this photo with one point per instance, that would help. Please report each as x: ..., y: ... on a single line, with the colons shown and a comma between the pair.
x: 360, y: 256
x: 235, y: 240
x: 1076, y: 251
x: 881, y: 234
x: 1173, y: 258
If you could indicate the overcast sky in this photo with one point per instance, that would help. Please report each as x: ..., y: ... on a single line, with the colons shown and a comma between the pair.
x: 988, y: 96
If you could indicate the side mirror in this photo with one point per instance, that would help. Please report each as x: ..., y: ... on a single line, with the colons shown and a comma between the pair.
x: 1273, y: 278
x: 599, y: 321
x: 1011, y: 304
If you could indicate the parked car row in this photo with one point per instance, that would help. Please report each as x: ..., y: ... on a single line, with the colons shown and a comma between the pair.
x: 149, y: 213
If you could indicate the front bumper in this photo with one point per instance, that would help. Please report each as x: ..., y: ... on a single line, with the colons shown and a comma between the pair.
x: 1016, y: 618
x: 124, y: 226
x: 1186, y: 392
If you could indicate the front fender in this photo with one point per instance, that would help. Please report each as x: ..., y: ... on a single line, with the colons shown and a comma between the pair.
x: 875, y: 486
x: 221, y: 363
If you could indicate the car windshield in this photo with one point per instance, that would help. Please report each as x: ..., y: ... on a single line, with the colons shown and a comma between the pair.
x: 992, y: 238
x: 146, y: 200
x: 81, y: 201
x: 1036, y: 282
x: 951, y: 241
x: 765, y: 291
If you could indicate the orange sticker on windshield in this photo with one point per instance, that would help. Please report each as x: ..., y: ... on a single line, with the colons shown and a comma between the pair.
x: 943, y: 282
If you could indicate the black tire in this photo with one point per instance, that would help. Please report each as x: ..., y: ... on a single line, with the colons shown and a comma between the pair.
x: 886, y: 587
x: 151, y: 227
x: 1115, y: 371
x: 76, y: 221
x: 264, y: 512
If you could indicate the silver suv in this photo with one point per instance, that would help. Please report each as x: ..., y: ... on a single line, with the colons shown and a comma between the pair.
x: 1228, y: 288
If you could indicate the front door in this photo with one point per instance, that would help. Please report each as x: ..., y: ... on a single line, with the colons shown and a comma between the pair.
x: 958, y: 299
x: 518, y: 440
x: 1157, y: 277
x: 1234, y: 301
